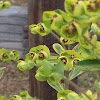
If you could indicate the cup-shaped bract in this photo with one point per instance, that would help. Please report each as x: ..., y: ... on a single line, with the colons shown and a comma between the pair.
x: 6, y: 4
x: 92, y: 7
x: 39, y: 29
x: 66, y: 41
x: 75, y: 7
x: 33, y: 28
x: 31, y: 56
x: 42, y: 52
x: 22, y: 65
x: 53, y: 20
x: 72, y: 57
x: 64, y: 60
x: 14, y: 55
x: 71, y: 31
x: 5, y: 55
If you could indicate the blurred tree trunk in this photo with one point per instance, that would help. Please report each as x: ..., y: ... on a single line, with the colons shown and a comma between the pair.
x: 35, y: 9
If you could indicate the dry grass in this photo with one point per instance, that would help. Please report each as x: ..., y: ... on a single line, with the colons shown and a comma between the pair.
x: 13, y: 81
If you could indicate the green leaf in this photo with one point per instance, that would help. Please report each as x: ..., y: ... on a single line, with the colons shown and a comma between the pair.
x: 59, y: 68
x: 97, y: 86
x: 40, y: 77
x: 1, y: 74
x: 75, y: 73
x: 3, y: 98
x: 58, y: 48
x: 56, y: 86
x: 58, y: 74
x: 94, y: 64
x: 65, y: 16
x: 81, y: 18
x: 47, y: 68
x: 2, y: 68
x: 64, y: 93
x: 73, y: 96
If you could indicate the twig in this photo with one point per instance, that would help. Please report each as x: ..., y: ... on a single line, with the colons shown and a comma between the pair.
x: 73, y: 84
x: 57, y: 39
x: 89, y: 41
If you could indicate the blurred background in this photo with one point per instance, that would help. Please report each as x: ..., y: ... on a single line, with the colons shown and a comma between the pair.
x: 15, y: 81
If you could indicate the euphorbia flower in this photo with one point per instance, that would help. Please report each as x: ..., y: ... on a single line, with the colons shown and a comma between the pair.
x: 66, y: 41
x: 92, y: 7
x: 71, y: 31
x: 75, y: 7
x: 53, y: 20
x: 72, y: 57
x: 31, y: 56
x: 6, y: 4
x: 39, y: 29
x: 14, y: 55
x: 42, y: 52
x: 5, y: 55
x: 64, y: 60
x: 22, y: 65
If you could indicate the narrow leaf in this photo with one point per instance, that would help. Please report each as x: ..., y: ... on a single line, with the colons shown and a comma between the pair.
x: 95, y: 64
x: 58, y: 48
x: 75, y: 73
x: 1, y: 74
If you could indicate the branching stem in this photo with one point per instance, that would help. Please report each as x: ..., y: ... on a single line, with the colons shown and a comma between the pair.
x: 74, y: 85
x: 57, y: 38
x: 89, y: 41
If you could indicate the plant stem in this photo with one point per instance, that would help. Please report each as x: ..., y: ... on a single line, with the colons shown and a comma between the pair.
x: 58, y: 39
x: 69, y: 47
x: 66, y: 82
x: 73, y: 84
x: 77, y: 47
x: 54, y: 54
x: 89, y: 41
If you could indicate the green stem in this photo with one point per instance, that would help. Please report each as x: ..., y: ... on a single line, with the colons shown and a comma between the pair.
x: 74, y: 85
x: 77, y: 47
x: 69, y: 47
x: 89, y: 41
x: 66, y: 82
x: 58, y: 39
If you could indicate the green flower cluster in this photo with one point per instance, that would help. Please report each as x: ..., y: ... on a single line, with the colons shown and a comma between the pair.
x: 22, y: 96
x: 4, y: 5
x: 7, y: 56
x: 35, y: 56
